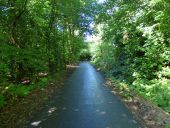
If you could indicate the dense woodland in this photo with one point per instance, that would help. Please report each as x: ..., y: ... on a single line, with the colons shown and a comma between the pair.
x: 40, y: 37
x: 135, y: 47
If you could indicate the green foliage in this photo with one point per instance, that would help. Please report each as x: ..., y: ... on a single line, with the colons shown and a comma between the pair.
x: 3, y: 72
x: 43, y: 82
x: 2, y: 100
x: 40, y: 36
x: 19, y: 90
x: 135, y: 46
x: 156, y: 90
x: 167, y: 126
x: 24, y: 90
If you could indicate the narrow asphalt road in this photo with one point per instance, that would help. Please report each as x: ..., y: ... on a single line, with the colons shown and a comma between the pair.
x: 84, y: 103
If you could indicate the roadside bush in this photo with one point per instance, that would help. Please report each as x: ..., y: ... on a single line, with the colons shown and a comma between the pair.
x: 2, y: 100
x: 19, y: 90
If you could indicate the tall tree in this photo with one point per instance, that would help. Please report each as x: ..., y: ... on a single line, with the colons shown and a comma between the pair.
x: 135, y: 45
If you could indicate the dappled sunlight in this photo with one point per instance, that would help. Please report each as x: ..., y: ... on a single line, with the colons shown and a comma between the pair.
x: 108, y: 127
x: 110, y: 102
x: 36, y: 123
x: 133, y: 121
x: 97, y: 110
x: 51, y: 110
x: 124, y: 115
x: 72, y: 66
x: 113, y: 92
x: 76, y: 110
x: 100, y: 112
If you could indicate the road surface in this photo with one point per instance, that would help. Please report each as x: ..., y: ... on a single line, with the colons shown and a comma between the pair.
x: 84, y: 103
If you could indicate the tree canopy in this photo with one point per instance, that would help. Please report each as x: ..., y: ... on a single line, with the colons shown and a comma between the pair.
x: 40, y: 36
x: 43, y: 36
x: 135, y: 46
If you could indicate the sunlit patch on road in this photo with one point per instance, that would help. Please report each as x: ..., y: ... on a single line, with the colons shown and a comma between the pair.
x: 102, y: 112
x: 124, y: 115
x: 36, y: 123
x: 76, y: 110
x: 108, y: 127
x: 51, y: 110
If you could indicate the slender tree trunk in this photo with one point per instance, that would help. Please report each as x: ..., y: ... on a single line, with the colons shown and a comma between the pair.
x: 14, y: 40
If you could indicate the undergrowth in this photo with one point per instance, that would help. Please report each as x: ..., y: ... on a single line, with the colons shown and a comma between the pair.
x: 157, y: 91
x: 13, y: 91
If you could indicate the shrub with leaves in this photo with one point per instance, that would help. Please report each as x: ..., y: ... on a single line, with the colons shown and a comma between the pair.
x: 19, y: 90
x: 135, y: 46
x: 2, y: 100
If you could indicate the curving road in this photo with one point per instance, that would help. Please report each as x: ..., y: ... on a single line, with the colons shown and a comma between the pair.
x: 84, y: 103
